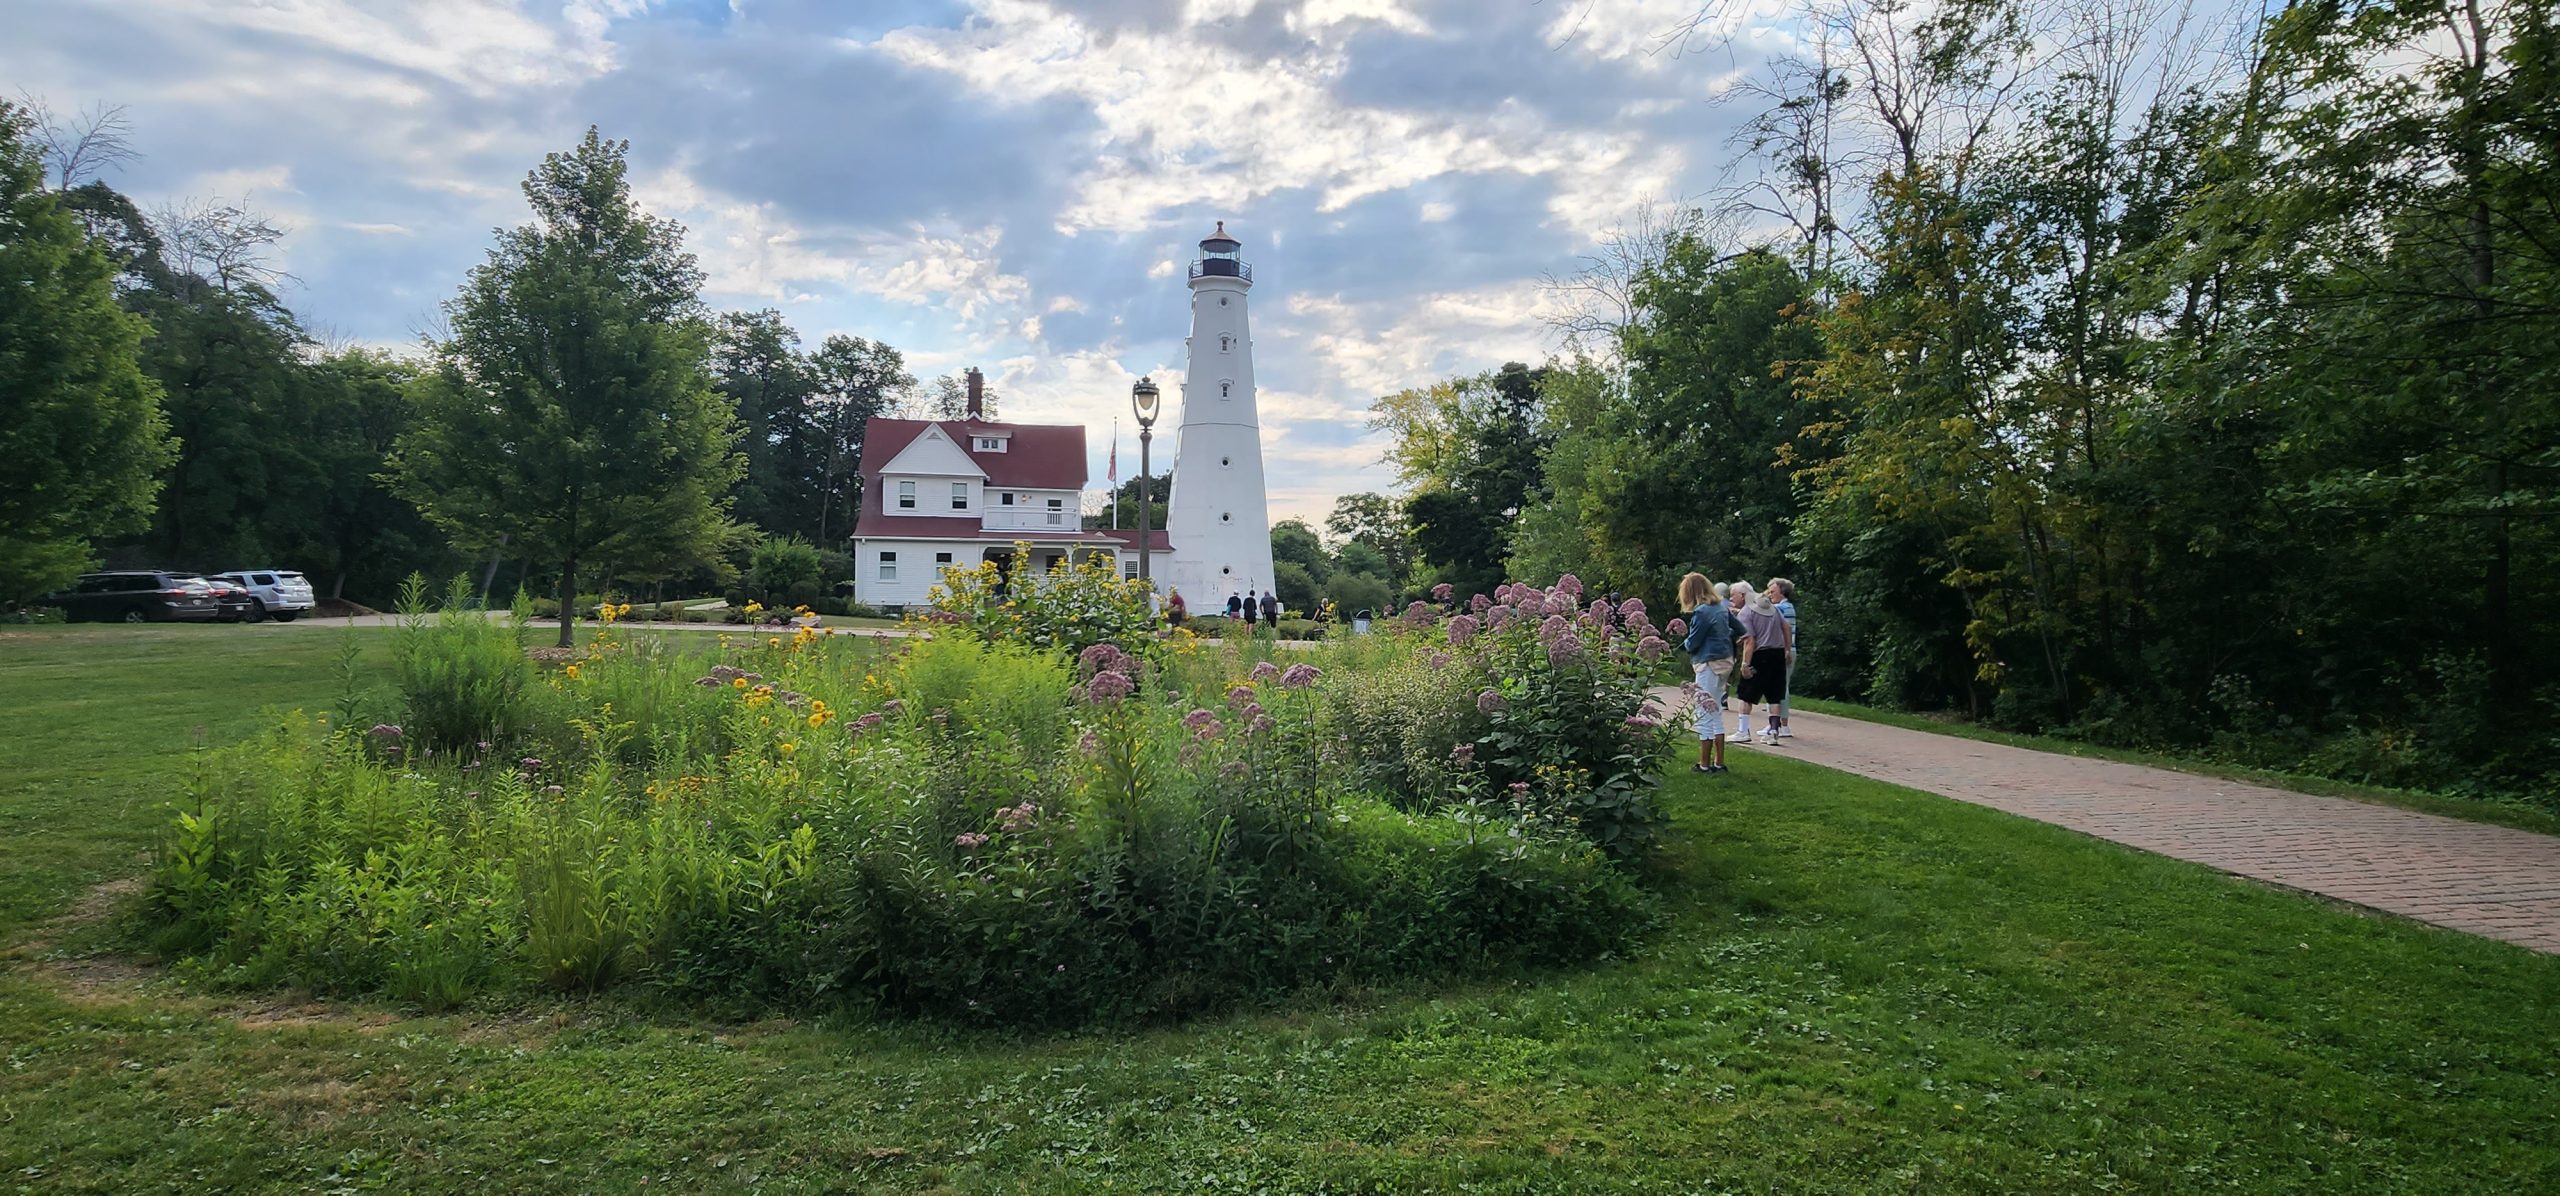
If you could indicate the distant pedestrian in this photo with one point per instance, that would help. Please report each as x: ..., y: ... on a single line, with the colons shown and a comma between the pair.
x: 1765, y: 645
x: 1710, y: 648
x: 1785, y: 593
x: 1174, y: 609
x: 1270, y: 610
x: 1235, y: 605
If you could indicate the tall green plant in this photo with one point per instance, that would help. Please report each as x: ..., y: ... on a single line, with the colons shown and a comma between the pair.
x: 463, y: 676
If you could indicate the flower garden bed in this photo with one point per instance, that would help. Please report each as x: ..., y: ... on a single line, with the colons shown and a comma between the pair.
x: 1007, y: 822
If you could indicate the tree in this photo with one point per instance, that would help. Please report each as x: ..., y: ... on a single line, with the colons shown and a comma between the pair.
x: 571, y: 410
x: 1157, y: 490
x: 756, y: 365
x: 1471, y: 449
x: 1293, y: 541
x: 1377, y: 522
x: 81, y: 432
x: 855, y: 381
x: 1294, y: 587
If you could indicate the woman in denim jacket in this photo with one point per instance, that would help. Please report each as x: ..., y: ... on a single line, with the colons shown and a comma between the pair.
x: 1710, y: 648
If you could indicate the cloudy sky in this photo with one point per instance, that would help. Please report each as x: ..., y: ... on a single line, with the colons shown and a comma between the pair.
x: 1012, y: 184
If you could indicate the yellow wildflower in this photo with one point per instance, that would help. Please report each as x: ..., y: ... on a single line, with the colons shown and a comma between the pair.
x: 737, y: 683
x: 572, y: 670
x: 789, y: 747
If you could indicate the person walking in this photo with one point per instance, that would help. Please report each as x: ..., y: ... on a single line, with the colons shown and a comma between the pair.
x: 1270, y: 611
x: 1785, y: 593
x: 1710, y: 648
x: 1765, y: 645
x: 1174, y: 609
x: 1235, y: 604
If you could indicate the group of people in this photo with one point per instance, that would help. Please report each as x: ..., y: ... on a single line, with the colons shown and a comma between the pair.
x: 1742, y: 645
x: 1239, y: 606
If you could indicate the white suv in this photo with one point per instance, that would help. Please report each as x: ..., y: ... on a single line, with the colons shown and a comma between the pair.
x: 272, y: 592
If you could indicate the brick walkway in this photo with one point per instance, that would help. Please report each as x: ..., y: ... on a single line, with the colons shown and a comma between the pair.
x: 2487, y: 880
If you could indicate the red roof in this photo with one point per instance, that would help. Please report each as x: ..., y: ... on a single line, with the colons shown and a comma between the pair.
x: 1157, y: 539
x: 1038, y: 456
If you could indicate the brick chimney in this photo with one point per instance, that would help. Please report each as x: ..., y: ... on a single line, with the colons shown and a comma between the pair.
x: 977, y: 394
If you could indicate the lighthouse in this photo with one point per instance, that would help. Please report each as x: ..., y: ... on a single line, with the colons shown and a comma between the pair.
x: 1218, y: 519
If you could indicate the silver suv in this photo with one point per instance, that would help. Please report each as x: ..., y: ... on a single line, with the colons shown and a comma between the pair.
x: 278, y: 592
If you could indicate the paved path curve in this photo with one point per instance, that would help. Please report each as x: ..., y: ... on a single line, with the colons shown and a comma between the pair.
x: 2493, y: 881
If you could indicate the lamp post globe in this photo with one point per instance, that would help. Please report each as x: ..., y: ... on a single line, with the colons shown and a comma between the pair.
x: 1144, y: 400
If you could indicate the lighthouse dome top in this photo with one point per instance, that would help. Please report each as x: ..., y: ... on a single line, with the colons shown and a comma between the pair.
x: 1218, y: 259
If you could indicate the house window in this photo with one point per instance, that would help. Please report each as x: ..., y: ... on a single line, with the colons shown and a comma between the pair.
x: 1057, y: 512
x: 991, y: 444
x: 942, y: 558
x: 1007, y: 498
x: 888, y: 566
x: 906, y: 496
x: 1129, y: 570
x: 959, y: 496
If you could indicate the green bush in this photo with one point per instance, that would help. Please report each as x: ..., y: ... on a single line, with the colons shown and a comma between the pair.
x: 462, y: 675
x: 1302, y: 629
x: 965, y: 827
x: 785, y: 571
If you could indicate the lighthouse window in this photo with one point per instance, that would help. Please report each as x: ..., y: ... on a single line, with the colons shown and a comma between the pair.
x: 1222, y: 301
x: 1226, y: 460
x: 1226, y: 390
x: 1226, y: 344
x: 1226, y: 517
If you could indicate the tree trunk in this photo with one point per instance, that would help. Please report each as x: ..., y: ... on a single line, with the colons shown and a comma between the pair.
x: 569, y: 603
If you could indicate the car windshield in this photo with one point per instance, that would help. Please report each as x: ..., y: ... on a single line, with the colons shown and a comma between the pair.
x: 193, y: 583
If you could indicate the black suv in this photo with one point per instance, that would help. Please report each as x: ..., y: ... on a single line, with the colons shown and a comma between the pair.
x: 138, y: 596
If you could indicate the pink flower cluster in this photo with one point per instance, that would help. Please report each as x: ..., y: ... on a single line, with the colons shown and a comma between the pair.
x: 1299, y: 676
x: 1014, y: 820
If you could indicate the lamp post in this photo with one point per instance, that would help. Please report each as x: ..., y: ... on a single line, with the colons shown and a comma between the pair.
x: 1144, y: 399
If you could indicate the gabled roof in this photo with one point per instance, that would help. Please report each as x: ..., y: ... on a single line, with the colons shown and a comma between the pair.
x: 1038, y: 457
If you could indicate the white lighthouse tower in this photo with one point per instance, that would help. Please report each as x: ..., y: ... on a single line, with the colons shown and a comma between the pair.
x: 1218, y: 520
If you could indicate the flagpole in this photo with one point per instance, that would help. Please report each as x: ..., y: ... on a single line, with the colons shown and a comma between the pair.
x: 1115, y: 479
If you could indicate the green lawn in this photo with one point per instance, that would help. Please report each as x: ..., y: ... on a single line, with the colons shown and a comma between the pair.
x: 1858, y: 988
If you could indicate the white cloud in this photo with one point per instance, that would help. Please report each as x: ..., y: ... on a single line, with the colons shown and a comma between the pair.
x: 750, y: 250
x: 1189, y: 123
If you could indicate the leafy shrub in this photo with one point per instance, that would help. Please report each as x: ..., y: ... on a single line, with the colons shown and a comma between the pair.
x: 1065, y: 609
x: 785, y: 570
x: 1301, y: 629
x: 461, y: 674
x: 1525, y: 699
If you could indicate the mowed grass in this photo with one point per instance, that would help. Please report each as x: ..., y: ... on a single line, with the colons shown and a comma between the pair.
x: 1858, y: 988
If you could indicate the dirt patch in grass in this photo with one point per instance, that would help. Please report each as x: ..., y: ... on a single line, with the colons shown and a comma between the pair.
x: 314, y: 1104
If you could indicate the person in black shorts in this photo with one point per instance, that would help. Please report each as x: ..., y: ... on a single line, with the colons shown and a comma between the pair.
x: 1765, y: 644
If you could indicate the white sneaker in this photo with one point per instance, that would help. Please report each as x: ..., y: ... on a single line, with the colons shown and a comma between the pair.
x: 1786, y: 732
x: 1768, y: 739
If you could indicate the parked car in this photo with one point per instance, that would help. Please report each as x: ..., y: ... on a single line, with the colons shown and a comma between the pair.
x: 231, y: 599
x: 281, y: 593
x: 138, y: 596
